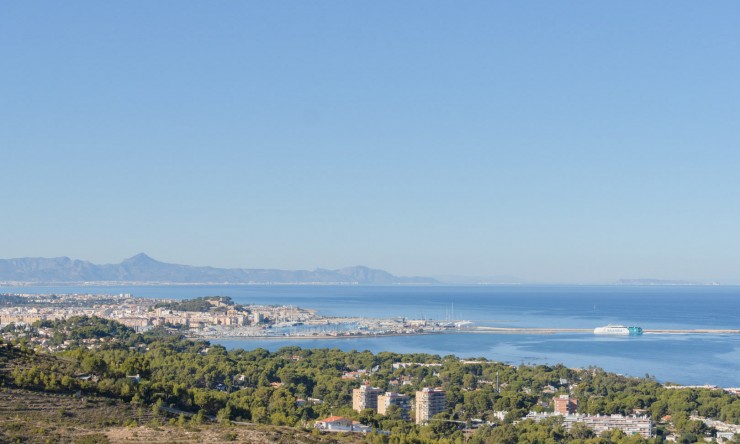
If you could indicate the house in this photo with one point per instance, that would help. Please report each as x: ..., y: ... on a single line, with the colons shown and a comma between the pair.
x: 341, y: 424
x: 354, y: 375
x: 725, y: 436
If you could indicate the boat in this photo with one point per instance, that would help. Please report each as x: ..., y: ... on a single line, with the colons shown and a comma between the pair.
x: 618, y: 330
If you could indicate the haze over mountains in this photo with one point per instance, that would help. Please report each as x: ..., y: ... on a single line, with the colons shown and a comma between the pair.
x: 142, y: 268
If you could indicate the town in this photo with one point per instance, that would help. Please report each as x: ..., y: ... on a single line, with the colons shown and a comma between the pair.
x: 207, y: 317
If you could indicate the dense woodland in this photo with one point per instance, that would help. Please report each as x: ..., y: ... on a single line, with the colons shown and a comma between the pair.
x: 190, y: 382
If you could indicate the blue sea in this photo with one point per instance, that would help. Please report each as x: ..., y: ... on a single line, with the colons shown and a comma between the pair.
x: 686, y: 358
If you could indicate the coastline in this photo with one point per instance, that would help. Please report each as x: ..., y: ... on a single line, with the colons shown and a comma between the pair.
x: 474, y: 330
x: 321, y: 337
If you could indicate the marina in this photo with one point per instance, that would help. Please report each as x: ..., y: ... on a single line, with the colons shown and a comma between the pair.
x: 690, y: 332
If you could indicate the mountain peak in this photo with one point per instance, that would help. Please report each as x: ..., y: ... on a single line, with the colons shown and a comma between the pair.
x: 141, y: 258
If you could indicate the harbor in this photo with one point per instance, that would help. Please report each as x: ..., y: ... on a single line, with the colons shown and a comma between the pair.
x: 219, y: 317
x: 339, y: 331
x: 513, y: 324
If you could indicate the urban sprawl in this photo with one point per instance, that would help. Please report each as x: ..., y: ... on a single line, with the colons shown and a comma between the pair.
x: 220, y: 318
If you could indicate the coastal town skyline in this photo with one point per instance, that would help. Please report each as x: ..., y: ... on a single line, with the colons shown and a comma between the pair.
x: 549, y: 143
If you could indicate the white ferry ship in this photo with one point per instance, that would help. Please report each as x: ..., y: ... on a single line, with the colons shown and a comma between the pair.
x: 618, y: 330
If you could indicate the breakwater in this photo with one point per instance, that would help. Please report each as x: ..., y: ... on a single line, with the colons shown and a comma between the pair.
x: 549, y: 331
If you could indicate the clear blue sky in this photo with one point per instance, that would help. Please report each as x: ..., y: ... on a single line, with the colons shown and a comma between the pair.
x: 573, y: 141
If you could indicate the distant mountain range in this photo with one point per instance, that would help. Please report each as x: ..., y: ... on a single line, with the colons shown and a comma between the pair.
x: 142, y: 268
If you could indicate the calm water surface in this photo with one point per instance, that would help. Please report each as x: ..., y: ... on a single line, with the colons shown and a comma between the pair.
x: 687, y: 359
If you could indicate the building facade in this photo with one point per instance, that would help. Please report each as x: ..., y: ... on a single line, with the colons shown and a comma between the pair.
x: 429, y: 402
x: 397, y: 399
x: 565, y: 405
x: 341, y: 424
x: 365, y: 397
x: 630, y: 425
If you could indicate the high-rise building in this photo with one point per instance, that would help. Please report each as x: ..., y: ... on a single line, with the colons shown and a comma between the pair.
x: 365, y: 397
x: 429, y: 402
x: 397, y: 399
x: 565, y: 405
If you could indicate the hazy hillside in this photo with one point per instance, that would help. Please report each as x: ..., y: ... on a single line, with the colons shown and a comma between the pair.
x: 142, y: 268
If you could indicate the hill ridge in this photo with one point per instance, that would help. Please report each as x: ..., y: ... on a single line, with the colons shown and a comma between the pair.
x: 143, y: 268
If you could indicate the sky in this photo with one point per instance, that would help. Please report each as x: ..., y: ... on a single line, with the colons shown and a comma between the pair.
x: 561, y: 142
